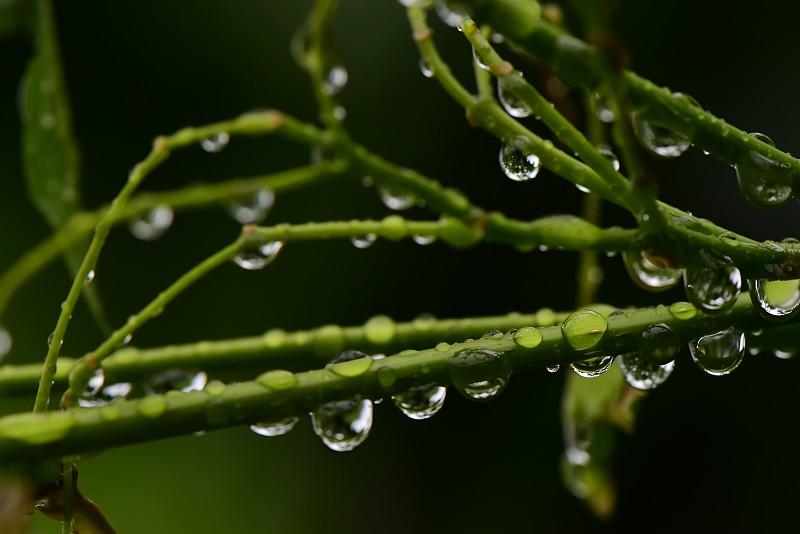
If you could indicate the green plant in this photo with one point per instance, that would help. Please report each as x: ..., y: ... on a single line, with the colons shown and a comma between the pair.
x: 247, y: 389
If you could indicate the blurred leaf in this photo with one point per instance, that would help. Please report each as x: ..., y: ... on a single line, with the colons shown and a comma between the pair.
x: 15, y: 17
x: 50, y: 154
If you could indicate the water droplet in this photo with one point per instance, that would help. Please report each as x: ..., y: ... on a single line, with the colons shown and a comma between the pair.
x: 451, y: 13
x: 610, y: 156
x: 424, y: 321
x: 215, y: 388
x: 682, y: 310
x: 712, y: 289
x: 583, y: 329
x: 602, y: 108
x: 254, y: 209
x: 344, y: 424
x: 215, y: 143
x: 478, y: 61
x: 592, y: 367
x: 152, y: 225
x: 424, y: 240
x: 363, y: 241
x: 478, y: 374
x: 6, y: 342
x: 97, y: 394
x: 421, y: 402
x: 513, y: 105
x: 651, y: 271
x: 254, y: 258
x: 763, y: 182
x: 176, y: 380
x: 89, y: 277
x: 352, y: 367
x: 51, y: 337
x: 395, y: 200
x: 339, y: 113
x: 380, y: 329
x: 152, y: 407
x: 658, y: 139
x: 277, y: 379
x: 442, y: 346
x: 784, y: 354
x: 518, y: 161
x: 335, y: 80
x: 492, y: 334
x: 426, y: 69
x: 659, y: 344
x: 275, y: 428
x: 93, y: 387
x: 528, y: 337
x: 641, y: 373
x: 553, y: 368
x: 777, y: 299
x: 719, y: 354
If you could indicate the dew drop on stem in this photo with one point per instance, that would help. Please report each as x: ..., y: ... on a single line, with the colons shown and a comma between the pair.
x: 421, y: 402
x: 216, y: 143
x: 99, y: 394
x: 763, y: 182
x: 776, y: 299
x: 712, y: 289
x: 518, y: 161
x: 426, y: 69
x: 641, y: 373
x: 659, y: 344
x: 363, y: 241
x: 335, y: 80
x: 592, y: 367
x: 395, y: 200
x: 344, y: 424
x: 650, y: 270
x: 254, y: 208
x: 478, y: 374
x: 153, y: 224
x: 253, y: 258
x: 513, y: 105
x: 659, y: 139
x: 720, y: 353
x: 274, y: 428
x: 182, y: 380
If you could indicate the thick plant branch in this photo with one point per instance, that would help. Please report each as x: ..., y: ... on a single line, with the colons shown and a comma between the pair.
x: 278, y: 394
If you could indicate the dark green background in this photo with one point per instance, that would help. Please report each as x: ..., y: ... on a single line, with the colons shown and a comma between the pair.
x: 709, y: 453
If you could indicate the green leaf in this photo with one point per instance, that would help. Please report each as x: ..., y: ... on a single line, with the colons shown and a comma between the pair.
x: 50, y: 154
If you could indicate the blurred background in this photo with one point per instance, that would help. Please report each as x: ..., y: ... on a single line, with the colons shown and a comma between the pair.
x: 707, y: 453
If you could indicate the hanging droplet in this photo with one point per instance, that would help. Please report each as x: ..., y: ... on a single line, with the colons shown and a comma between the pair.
x: 513, y: 105
x: 335, y: 80
x: 254, y: 209
x: 152, y: 225
x: 659, y: 344
x: 451, y: 13
x: 776, y: 299
x: 610, y: 156
x: 254, y: 258
x: 553, y: 368
x: 712, y: 289
x: 363, y: 241
x: 643, y: 374
x: 51, y: 337
x: 518, y: 161
x: 494, y: 333
x: 592, y: 367
x: 276, y: 428
x: 424, y: 240
x: 478, y: 374
x: 650, y: 270
x: 421, y: 402
x: 176, y: 380
x: 763, y: 182
x: 583, y: 329
x: 343, y: 425
x: 658, y: 139
x: 478, y: 60
x: 93, y: 387
x: 89, y: 277
x: 602, y: 108
x: 426, y: 69
x: 395, y: 200
x: 719, y: 354
x: 215, y: 143
x: 6, y: 341
x: 98, y: 394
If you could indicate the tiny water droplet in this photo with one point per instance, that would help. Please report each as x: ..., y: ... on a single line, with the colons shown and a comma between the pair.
x: 518, y: 161
x: 424, y: 321
x: 176, y: 380
x: 602, y: 107
x: 98, y: 394
x: 442, y: 346
x: 258, y: 257
x: 253, y: 210
x: 712, y: 289
x: 553, y: 368
x: 152, y: 225
x: 277, y: 379
x: 513, y: 105
x: 424, y: 240
x: 363, y: 241
x: 89, y: 277
x: 592, y: 367
x: 6, y: 342
x: 492, y: 334
x: 776, y: 299
x: 651, y: 271
x: 451, y: 13
x: 478, y: 374
x: 610, y: 156
x: 426, y: 69
x: 51, y: 337
x: 395, y: 200
x: 344, y: 424
x: 583, y: 329
x: 380, y: 329
x: 763, y: 182
x: 682, y: 310
x: 719, y: 354
x: 421, y: 402
x: 215, y: 143
x: 658, y: 139
x: 528, y: 337
x: 335, y: 80
x: 126, y: 340
x: 339, y: 113
x: 659, y: 344
x: 478, y: 61
x: 641, y: 373
x: 274, y: 428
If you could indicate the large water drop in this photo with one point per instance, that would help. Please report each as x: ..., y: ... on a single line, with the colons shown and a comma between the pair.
x: 659, y: 344
x: 583, y: 329
x: 518, y: 160
x: 344, y: 424
x: 719, y: 354
x: 641, y: 373
x: 421, y: 402
x: 592, y: 367
x: 395, y: 200
x: 712, y: 289
x: 763, y: 182
x: 258, y: 257
x: 274, y: 428
x: 651, y: 271
x: 776, y: 299
x: 513, y: 105
x: 152, y: 225
x: 478, y: 374
x: 658, y: 139
x: 176, y: 380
